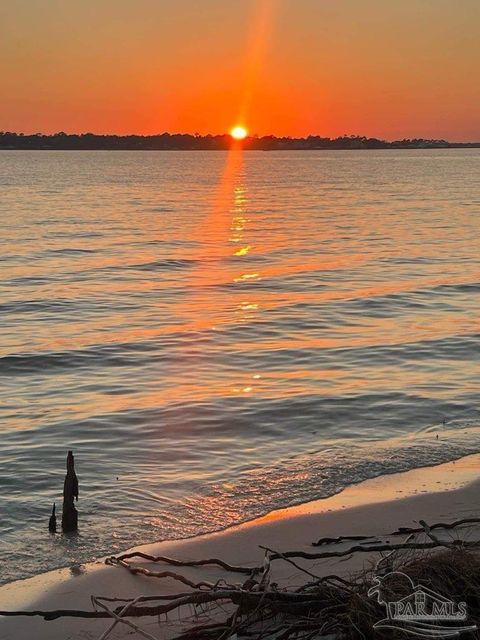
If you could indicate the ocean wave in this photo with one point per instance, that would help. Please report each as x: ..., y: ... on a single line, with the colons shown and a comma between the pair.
x: 53, y: 361
x: 163, y: 265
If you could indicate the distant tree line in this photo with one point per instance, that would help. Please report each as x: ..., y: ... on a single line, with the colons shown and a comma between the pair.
x: 186, y: 142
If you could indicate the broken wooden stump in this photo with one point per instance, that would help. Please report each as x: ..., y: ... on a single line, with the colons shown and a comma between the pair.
x: 70, y: 491
x: 52, y: 523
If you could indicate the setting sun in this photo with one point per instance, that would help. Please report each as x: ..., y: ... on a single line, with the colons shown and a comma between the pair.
x: 239, y: 133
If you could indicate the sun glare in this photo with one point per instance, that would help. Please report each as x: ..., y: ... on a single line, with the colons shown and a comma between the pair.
x: 238, y: 133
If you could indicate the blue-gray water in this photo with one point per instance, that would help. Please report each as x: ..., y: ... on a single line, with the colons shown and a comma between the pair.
x: 217, y: 335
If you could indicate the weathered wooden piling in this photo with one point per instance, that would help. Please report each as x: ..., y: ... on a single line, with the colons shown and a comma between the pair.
x: 70, y: 492
x: 52, y: 523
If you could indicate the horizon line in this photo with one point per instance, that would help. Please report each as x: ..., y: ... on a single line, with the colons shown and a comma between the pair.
x: 227, y: 135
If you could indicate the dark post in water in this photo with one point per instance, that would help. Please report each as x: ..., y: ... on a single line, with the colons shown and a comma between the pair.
x: 70, y: 491
x: 52, y: 523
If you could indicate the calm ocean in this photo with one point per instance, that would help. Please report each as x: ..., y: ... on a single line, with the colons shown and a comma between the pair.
x: 217, y: 335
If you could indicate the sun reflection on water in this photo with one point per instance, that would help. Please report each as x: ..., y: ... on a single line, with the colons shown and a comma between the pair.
x: 242, y: 251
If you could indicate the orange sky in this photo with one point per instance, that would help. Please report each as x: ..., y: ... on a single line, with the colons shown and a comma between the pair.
x: 388, y: 68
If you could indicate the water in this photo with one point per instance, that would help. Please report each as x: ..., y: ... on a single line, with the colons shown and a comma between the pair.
x: 219, y: 335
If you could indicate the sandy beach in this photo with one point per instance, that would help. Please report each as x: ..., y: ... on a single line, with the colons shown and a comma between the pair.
x: 375, y: 507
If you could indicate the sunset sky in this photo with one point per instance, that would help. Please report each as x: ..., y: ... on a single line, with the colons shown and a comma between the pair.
x: 386, y: 68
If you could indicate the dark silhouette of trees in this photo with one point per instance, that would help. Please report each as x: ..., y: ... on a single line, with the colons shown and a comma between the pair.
x: 187, y: 142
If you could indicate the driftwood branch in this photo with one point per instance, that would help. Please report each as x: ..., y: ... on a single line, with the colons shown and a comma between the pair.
x: 339, y: 539
x: 437, y: 525
x: 118, y: 618
x: 290, y: 561
x: 162, y: 574
x: 399, y: 532
x: 185, y: 563
x: 434, y: 538
x: 236, y: 596
x: 370, y: 549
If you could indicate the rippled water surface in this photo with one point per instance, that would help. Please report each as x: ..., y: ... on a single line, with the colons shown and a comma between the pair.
x: 217, y: 335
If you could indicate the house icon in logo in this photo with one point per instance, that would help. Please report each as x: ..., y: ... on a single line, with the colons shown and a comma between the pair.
x: 418, y: 610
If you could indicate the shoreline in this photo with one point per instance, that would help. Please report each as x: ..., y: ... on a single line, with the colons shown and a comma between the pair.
x: 373, y: 507
x: 294, y: 508
x: 301, y: 479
